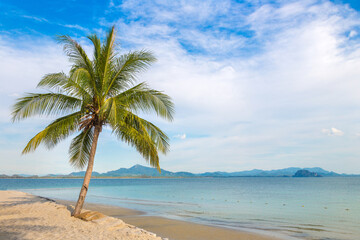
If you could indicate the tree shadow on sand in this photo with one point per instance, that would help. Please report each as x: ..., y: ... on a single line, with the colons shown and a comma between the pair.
x: 14, y: 201
x: 18, y: 228
x: 12, y: 227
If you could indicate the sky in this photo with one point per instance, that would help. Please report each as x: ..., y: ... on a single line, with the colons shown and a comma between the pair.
x: 262, y: 84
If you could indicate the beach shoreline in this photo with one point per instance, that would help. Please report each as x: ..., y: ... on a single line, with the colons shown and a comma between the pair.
x: 173, y: 228
x: 17, y: 206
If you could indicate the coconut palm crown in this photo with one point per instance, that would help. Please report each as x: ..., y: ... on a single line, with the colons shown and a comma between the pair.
x: 98, y: 91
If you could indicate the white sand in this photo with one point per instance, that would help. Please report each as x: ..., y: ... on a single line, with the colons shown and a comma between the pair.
x: 25, y: 216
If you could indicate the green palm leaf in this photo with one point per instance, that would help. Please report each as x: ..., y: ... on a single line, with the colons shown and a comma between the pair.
x: 54, y: 132
x: 80, y: 148
x: 81, y: 61
x: 141, y: 97
x: 44, y: 104
x: 126, y: 69
x: 136, y: 136
x: 74, y: 86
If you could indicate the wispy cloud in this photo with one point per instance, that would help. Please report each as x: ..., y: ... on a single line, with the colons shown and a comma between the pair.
x: 75, y: 26
x: 333, y: 132
x: 44, y: 20
x: 14, y: 95
x: 352, y: 33
x: 180, y: 136
x: 38, y: 19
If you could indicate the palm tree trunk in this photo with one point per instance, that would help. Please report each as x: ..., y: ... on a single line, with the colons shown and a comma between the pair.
x: 88, y: 173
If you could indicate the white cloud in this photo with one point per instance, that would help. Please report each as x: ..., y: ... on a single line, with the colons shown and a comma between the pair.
x: 352, y: 33
x: 15, y: 95
x: 39, y: 19
x: 333, y: 132
x: 216, y: 43
x: 44, y: 20
x: 34, y: 57
x: 75, y: 26
x: 181, y: 136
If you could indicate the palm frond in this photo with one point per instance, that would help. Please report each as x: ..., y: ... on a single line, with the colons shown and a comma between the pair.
x: 44, y: 104
x: 141, y: 134
x: 81, y: 78
x: 54, y: 81
x: 107, y: 54
x: 126, y: 70
x: 75, y: 52
x: 78, y: 56
x: 136, y: 136
x: 158, y: 137
x: 141, y: 97
x: 115, y: 114
x: 54, y: 132
x: 80, y: 148
x: 59, y: 82
x: 97, y: 45
x: 109, y: 110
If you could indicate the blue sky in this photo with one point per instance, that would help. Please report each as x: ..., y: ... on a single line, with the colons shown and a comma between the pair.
x: 257, y: 84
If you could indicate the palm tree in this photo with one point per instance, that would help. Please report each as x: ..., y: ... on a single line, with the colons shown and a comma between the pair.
x: 97, y: 92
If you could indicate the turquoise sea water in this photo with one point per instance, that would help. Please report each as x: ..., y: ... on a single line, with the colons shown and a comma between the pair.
x: 300, y: 208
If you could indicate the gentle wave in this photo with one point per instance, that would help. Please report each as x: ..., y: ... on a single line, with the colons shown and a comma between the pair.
x: 144, y: 201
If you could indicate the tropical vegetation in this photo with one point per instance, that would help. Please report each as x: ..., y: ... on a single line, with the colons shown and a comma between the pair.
x: 97, y: 92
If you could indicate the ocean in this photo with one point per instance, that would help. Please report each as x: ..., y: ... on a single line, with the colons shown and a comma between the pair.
x: 325, y: 208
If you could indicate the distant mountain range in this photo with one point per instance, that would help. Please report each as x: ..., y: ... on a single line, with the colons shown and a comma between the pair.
x: 142, y: 171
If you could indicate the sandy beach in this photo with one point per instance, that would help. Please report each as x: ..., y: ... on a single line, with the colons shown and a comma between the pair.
x: 25, y: 216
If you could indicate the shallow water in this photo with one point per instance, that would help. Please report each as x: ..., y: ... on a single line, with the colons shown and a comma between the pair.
x: 304, y: 208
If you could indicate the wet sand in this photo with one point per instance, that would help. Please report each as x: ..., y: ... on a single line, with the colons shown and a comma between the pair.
x: 169, y: 228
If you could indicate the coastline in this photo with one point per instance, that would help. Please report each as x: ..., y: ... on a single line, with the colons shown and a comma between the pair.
x: 26, y: 216
x: 171, y: 228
